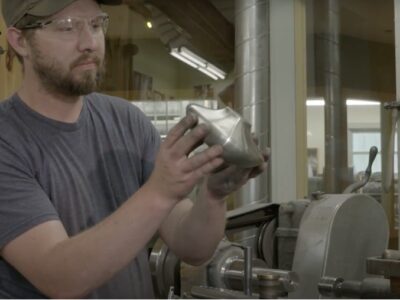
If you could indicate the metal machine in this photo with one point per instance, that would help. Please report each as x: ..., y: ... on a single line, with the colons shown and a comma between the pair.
x: 307, y: 248
x: 335, y: 237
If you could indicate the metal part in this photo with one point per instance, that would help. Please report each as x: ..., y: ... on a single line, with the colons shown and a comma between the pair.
x: 329, y: 229
x: 233, y: 275
x: 328, y: 285
x: 266, y: 243
x: 229, y: 129
x: 270, y: 287
x: 251, y: 219
x: 367, y: 288
x: 383, y: 266
x: 391, y: 254
x: 248, y: 271
x: 388, y: 265
x: 203, y: 292
x: 171, y: 293
x: 290, y: 215
x: 164, y: 266
x: 223, y: 257
x: 373, y: 151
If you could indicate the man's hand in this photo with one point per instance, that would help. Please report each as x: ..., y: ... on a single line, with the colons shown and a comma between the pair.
x: 230, y: 178
x: 175, y: 173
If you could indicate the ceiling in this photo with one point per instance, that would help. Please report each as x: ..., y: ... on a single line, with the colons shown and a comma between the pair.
x: 371, y: 20
x: 210, y: 23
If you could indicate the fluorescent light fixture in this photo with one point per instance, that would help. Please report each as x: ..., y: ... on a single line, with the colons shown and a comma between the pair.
x: 361, y: 102
x: 195, y: 61
x: 213, y: 69
x: 177, y: 55
x: 315, y: 102
x: 349, y: 102
x: 208, y: 73
x: 192, y: 57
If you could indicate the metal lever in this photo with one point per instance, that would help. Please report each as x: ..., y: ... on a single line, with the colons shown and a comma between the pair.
x: 373, y: 151
x: 171, y: 293
x: 248, y: 269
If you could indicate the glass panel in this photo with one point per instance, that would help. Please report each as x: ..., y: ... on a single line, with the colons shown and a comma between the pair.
x: 145, y: 64
x: 363, y: 141
x: 360, y: 163
x: 351, y: 68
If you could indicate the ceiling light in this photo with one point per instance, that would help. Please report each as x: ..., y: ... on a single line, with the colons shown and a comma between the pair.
x: 195, y: 61
x: 349, y: 102
x: 149, y: 24
x: 213, y: 69
x: 192, y: 57
x: 177, y: 55
x: 315, y: 102
x: 361, y: 102
x: 208, y: 73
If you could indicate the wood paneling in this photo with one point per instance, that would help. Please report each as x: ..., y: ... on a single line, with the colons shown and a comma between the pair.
x: 9, y: 81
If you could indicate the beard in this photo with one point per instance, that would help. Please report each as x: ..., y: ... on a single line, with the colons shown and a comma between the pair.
x: 56, y: 80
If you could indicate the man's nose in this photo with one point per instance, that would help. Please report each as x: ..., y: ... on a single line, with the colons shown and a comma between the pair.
x: 88, y: 41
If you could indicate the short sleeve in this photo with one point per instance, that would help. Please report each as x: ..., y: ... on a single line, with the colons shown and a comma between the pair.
x: 151, y: 144
x: 23, y: 203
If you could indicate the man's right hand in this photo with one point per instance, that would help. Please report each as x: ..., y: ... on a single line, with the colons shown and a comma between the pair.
x: 175, y: 173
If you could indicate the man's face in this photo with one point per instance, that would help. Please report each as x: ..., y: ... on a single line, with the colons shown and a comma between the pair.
x: 69, y: 66
x: 74, y: 78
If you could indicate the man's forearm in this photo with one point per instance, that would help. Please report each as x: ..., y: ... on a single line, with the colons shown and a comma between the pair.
x: 75, y: 266
x: 195, y: 236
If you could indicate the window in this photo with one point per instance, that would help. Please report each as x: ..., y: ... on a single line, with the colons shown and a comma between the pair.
x: 361, y: 140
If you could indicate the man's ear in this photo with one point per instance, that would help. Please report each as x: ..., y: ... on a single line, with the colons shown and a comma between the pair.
x: 17, y: 41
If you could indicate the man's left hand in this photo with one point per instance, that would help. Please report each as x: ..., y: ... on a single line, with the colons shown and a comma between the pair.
x: 231, y: 177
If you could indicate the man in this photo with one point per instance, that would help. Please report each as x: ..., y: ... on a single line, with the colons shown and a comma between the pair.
x: 84, y: 181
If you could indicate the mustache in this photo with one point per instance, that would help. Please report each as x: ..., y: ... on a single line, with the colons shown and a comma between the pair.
x: 84, y: 58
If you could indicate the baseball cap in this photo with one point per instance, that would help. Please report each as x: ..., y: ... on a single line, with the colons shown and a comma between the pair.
x: 15, y: 10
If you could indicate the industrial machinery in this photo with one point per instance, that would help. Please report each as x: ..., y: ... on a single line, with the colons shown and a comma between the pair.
x: 307, y: 248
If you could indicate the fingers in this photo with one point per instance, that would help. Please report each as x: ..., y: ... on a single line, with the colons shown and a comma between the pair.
x: 261, y: 168
x: 207, y: 160
x: 258, y: 170
x: 266, y: 154
x: 255, y: 138
x: 179, y: 130
x: 182, y: 144
x: 191, y: 141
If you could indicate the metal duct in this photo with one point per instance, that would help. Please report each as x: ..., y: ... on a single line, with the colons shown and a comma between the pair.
x: 336, y: 170
x: 252, y: 82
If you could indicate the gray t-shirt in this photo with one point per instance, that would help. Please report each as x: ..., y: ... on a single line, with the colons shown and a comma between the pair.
x: 77, y: 173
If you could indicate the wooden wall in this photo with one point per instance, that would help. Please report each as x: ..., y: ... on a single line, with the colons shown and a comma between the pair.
x: 9, y: 81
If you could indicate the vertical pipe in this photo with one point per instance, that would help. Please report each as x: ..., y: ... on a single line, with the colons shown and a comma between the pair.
x: 336, y: 170
x: 397, y: 43
x: 252, y: 83
x: 252, y: 86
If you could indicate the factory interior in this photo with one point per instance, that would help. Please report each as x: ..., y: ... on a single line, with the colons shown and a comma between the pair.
x: 317, y: 81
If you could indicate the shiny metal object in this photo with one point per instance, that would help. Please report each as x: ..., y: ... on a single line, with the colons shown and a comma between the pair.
x: 164, y: 271
x: 336, y: 236
x: 368, y: 288
x: 228, y: 128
